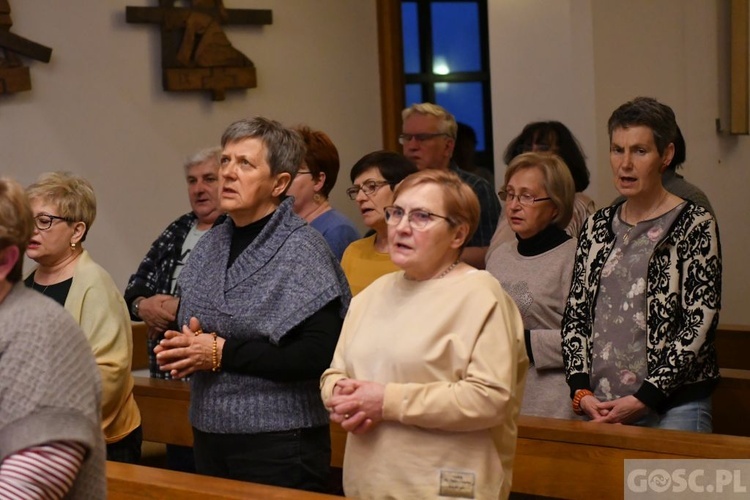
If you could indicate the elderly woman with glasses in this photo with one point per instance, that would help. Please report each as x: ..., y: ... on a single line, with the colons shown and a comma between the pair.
x: 64, y: 208
x: 550, y: 137
x: 535, y: 269
x: 50, y: 415
x: 311, y: 187
x: 428, y: 373
x: 374, y: 177
x: 269, y: 297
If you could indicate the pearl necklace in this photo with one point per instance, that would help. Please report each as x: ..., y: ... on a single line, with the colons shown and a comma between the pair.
x: 441, y: 275
x: 626, y: 237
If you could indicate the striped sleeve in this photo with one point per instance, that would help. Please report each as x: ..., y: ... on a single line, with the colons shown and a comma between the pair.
x: 41, y: 472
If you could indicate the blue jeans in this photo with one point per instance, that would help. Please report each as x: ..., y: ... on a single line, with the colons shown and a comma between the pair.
x: 694, y: 416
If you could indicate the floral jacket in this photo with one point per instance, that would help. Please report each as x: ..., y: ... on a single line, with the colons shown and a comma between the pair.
x: 683, y: 302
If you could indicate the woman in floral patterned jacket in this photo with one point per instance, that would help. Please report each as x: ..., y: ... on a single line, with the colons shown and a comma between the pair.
x: 638, y: 328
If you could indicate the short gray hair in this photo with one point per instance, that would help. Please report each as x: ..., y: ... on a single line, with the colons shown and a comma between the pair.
x: 285, y: 149
x: 447, y: 121
x: 212, y: 154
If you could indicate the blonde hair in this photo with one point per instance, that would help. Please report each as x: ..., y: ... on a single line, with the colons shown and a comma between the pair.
x: 460, y: 203
x: 72, y: 195
x: 447, y: 123
x: 16, y: 222
x: 558, y: 182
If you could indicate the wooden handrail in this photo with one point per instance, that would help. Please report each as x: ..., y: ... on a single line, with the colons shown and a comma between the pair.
x: 136, y: 482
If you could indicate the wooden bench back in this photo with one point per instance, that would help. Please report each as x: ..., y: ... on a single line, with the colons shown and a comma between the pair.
x: 567, y: 459
x: 135, y: 482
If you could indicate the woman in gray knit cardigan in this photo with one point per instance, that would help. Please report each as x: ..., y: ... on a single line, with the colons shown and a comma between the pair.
x: 262, y: 303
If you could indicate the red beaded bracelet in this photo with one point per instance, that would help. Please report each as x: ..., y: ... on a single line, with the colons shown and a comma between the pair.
x: 577, y: 397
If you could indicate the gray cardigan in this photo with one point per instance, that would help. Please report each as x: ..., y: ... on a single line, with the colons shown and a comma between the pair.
x: 286, y: 275
x: 51, y: 390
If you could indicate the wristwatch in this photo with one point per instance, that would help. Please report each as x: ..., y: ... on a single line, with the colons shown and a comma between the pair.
x: 134, y: 307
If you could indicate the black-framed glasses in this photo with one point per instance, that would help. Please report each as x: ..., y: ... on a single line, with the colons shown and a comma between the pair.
x: 301, y: 172
x: 418, y: 218
x: 405, y: 138
x: 368, y: 187
x: 45, y: 221
x: 524, y: 199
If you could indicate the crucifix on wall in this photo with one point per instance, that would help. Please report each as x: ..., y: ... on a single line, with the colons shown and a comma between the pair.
x: 14, y: 76
x: 195, y: 52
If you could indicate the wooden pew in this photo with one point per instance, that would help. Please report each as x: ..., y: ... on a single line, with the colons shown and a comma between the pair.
x: 140, y: 351
x: 164, y: 406
x: 557, y: 458
x: 135, y: 482
x: 733, y: 346
x: 731, y: 403
x: 572, y: 459
x: 544, y: 444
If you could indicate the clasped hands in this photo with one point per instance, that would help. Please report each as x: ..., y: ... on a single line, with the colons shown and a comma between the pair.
x: 182, y: 353
x: 356, y: 404
x: 158, y: 312
x: 622, y: 410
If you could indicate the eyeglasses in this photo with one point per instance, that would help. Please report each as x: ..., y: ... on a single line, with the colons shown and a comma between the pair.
x: 525, y: 199
x: 301, y: 172
x: 45, y: 221
x: 418, y: 219
x: 405, y: 138
x: 368, y: 187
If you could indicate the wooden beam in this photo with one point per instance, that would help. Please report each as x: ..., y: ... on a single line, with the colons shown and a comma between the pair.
x: 141, y: 15
x: 15, y: 79
x: 24, y: 47
x: 739, y: 12
x: 391, y: 63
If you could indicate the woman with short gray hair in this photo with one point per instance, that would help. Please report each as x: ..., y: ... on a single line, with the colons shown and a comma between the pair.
x: 273, y: 297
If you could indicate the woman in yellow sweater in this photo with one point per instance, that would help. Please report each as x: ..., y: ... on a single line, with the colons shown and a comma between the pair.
x: 64, y: 208
x: 374, y: 177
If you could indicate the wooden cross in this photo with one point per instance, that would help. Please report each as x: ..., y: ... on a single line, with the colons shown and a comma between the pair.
x: 14, y: 76
x: 196, y: 54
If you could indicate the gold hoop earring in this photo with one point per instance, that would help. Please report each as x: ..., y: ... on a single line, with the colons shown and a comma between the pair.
x: 318, y: 198
x: 72, y: 245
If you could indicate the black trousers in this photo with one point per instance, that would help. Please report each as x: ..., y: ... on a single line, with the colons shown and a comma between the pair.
x: 298, y: 458
x: 127, y: 449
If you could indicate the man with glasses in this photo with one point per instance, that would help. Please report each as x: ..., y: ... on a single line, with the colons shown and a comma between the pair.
x: 428, y: 140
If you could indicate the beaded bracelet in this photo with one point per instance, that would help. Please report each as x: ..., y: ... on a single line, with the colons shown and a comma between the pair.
x: 577, y: 397
x: 215, y: 355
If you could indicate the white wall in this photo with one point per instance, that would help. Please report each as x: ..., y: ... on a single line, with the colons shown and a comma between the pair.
x: 577, y: 60
x: 541, y: 59
x: 98, y: 108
